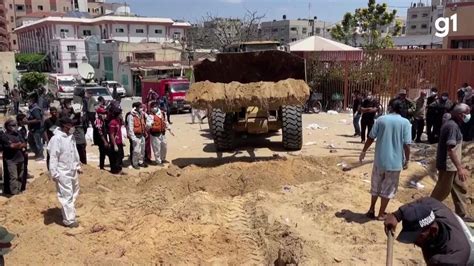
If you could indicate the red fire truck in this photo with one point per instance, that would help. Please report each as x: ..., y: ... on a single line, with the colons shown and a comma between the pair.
x: 176, y: 89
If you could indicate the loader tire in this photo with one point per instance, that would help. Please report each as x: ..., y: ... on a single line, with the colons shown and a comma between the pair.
x: 222, y: 130
x: 292, y: 127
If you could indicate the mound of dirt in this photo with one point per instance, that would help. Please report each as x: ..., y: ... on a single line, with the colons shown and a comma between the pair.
x: 235, y: 95
x: 299, y: 210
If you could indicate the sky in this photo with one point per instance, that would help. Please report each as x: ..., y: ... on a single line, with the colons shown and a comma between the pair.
x: 194, y: 10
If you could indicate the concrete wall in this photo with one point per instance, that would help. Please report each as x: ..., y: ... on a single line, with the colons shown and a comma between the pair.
x: 7, y: 69
x: 287, y: 31
x: 465, y: 31
x: 419, y: 20
x: 65, y: 57
x: 119, y: 52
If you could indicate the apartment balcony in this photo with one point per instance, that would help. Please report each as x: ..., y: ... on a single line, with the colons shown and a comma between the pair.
x: 2, y: 7
x: 3, y: 20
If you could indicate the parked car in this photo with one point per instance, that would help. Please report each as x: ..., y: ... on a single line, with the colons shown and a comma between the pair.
x: 95, y: 90
x: 61, y: 86
x: 110, y: 85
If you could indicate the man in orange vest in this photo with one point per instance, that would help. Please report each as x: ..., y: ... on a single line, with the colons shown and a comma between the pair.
x: 136, y: 129
x: 158, y: 124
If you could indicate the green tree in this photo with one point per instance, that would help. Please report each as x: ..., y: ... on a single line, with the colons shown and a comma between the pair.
x: 346, y: 31
x: 375, y: 25
x: 32, y: 80
x: 30, y: 61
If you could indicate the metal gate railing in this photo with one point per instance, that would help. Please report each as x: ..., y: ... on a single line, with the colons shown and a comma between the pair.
x: 385, y: 72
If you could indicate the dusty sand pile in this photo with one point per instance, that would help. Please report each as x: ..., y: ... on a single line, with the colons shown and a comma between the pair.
x: 235, y: 95
x: 302, y: 210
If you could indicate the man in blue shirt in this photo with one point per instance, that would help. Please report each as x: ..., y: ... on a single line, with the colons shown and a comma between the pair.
x: 392, y: 153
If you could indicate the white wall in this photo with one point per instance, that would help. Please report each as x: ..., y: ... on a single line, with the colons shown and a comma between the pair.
x: 176, y: 30
x: 58, y: 28
x: 120, y: 36
x: 157, y: 37
x: 80, y: 34
x: 66, y: 57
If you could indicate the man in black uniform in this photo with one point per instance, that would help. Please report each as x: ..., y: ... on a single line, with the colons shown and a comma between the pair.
x: 369, y: 108
x: 439, y: 108
x: 14, y: 147
x: 431, y: 115
x: 443, y: 238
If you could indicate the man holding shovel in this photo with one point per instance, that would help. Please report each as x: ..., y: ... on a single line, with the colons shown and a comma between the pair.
x: 442, y: 235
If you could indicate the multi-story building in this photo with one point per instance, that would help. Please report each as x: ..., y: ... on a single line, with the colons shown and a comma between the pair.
x: 3, y: 27
x: 64, y: 38
x: 421, y: 18
x: 286, y: 31
x: 464, y: 36
x: 16, y: 10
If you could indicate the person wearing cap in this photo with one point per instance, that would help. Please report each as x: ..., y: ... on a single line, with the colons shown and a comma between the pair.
x: 418, y: 125
x: 439, y: 107
x: 442, y: 236
x: 65, y: 167
x: 14, y: 147
x: 392, y: 154
x: 100, y: 135
x: 407, y: 105
x: 452, y: 175
x: 5, y: 243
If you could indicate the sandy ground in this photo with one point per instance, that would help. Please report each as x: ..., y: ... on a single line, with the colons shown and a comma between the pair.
x: 256, y: 206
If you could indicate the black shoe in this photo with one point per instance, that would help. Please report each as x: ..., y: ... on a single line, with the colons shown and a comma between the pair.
x: 153, y: 163
x: 136, y: 167
x: 144, y: 165
x: 164, y: 161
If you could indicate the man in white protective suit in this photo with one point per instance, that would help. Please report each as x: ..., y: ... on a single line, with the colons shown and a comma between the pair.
x: 65, y: 167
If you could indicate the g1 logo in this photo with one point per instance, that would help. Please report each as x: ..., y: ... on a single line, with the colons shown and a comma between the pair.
x: 443, y: 31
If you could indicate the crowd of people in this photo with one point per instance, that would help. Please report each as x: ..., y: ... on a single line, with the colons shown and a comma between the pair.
x: 425, y: 112
x: 63, y: 131
x: 442, y: 234
x: 427, y: 223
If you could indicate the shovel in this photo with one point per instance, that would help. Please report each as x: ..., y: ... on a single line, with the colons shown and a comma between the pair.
x: 389, y: 261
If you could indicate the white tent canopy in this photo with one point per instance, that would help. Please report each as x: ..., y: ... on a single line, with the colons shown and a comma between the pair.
x: 316, y: 43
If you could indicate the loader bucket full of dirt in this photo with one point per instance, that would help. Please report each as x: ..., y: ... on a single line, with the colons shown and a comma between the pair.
x: 235, y: 95
x: 251, y: 93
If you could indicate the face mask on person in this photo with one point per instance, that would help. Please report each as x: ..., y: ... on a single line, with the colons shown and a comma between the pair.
x: 72, y: 130
x: 445, y: 98
x: 155, y: 110
x: 467, y: 118
x: 370, y: 97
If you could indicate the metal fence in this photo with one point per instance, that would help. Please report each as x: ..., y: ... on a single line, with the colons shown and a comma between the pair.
x: 386, y: 72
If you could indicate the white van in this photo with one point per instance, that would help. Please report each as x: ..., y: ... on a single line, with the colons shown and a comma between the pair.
x: 62, y: 85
